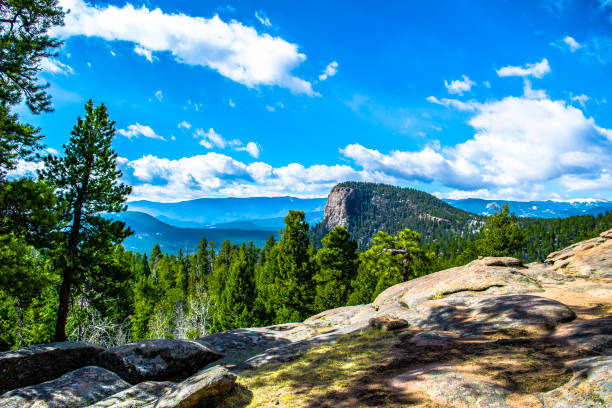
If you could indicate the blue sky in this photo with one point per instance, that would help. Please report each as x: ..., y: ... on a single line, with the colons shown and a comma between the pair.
x: 490, y: 99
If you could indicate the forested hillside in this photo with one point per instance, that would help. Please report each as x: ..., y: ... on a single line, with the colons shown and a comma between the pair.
x: 366, y: 208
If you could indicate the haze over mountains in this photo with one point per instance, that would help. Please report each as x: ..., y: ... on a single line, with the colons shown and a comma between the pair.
x: 181, y: 225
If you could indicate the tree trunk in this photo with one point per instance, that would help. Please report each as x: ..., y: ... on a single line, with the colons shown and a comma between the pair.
x: 69, y: 266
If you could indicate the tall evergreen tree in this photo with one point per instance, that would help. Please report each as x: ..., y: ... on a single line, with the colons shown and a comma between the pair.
x: 337, y: 266
x: 86, y: 181
x: 235, y: 308
x: 293, y: 290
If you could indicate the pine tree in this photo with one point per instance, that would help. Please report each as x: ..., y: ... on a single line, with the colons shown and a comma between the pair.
x: 293, y: 291
x: 389, y: 261
x: 86, y: 184
x: 337, y: 266
x: 501, y: 235
x: 235, y: 307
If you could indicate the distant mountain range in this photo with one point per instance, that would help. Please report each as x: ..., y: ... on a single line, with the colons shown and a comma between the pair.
x: 150, y: 231
x: 365, y: 207
x: 263, y: 212
x: 533, y: 209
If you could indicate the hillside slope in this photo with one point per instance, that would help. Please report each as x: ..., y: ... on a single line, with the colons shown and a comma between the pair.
x: 368, y: 207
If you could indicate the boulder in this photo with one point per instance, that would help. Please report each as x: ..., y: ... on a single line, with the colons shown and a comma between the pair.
x: 388, y: 323
x: 137, y: 396
x: 157, y: 360
x: 75, y: 389
x: 493, y: 276
x: 211, y: 382
x: 476, y: 315
x: 590, y: 386
x: 591, y: 258
x: 33, y: 365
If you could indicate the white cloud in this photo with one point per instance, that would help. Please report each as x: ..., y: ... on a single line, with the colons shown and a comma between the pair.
x: 518, y: 143
x: 54, y: 67
x: 596, y: 182
x: 231, y: 103
x: 148, y: 54
x: 218, y: 175
x: 469, y: 106
x: 251, y: 148
x: 25, y: 169
x: 537, y: 70
x: 530, y: 93
x: 459, y: 86
x: 262, y: 18
x: 604, y: 132
x: 572, y: 44
x: 113, y: 53
x: 330, y: 70
x: 234, y: 50
x: 210, y: 138
x: 159, y: 95
x: 184, y: 125
x: 582, y: 99
x: 270, y: 108
x: 137, y: 130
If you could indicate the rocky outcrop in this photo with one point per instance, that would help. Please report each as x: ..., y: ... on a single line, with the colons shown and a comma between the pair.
x: 75, y: 389
x: 342, y: 204
x: 241, y: 344
x: 157, y: 360
x: 33, y: 365
x: 211, y: 382
x: 140, y: 395
x: 592, y: 258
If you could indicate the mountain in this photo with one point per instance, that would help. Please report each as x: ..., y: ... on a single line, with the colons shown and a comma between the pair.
x: 368, y: 207
x: 533, y: 209
x: 206, y: 212
x: 150, y: 231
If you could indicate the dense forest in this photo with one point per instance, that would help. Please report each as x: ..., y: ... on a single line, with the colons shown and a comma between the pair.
x: 64, y: 273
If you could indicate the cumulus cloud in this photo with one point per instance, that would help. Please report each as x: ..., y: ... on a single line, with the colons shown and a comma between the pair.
x: 137, y: 130
x: 234, y: 50
x: 459, y: 86
x: 330, y: 70
x: 55, y: 67
x: 218, y: 175
x: 518, y: 142
x: 231, y: 103
x: 537, y: 70
x: 159, y: 95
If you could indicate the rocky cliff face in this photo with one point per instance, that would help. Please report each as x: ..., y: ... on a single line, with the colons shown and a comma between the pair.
x: 366, y: 208
x: 492, y: 333
x: 342, y: 204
